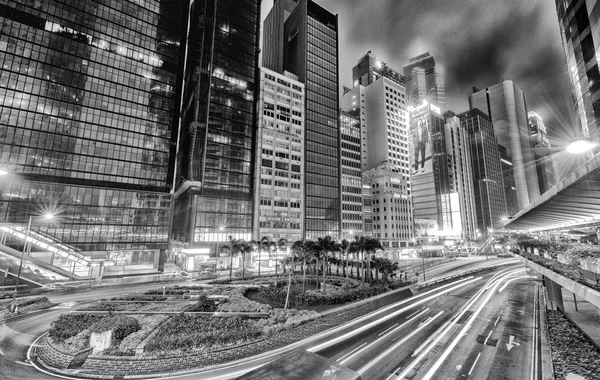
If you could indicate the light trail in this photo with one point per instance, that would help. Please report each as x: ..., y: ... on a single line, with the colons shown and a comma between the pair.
x: 389, y: 316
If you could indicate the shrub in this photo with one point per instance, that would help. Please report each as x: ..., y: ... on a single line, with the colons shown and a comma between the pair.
x: 203, y: 305
x: 121, y: 326
x: 237, y: 302
x: 69, y: 325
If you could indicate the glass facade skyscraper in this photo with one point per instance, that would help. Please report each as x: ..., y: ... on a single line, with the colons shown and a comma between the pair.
x: 542, y: 152
x: 310, y: 50
x: 214, y: 188
x: 580, y: 32
x: 425, y: 81
x: 87, y: 127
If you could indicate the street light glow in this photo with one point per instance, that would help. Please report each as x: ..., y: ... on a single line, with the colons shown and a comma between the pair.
x: 581, y: 146
x: 48, y: 216
x: 3, y: 172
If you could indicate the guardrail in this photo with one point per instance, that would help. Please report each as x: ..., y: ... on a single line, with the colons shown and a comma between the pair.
x: 174, y: 313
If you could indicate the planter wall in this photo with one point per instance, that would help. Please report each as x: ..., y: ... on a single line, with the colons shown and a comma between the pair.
x: 57, y: 358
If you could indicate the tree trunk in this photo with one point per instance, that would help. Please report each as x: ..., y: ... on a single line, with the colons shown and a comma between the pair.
x: 345, y: 271
x: 317, y: 272
x: 369, y: 274
x: 243, y: 265
x: 324, y: 268
x: 231, y: 266
x: 259, y: 263
x: 304, y: 275
x: 287, y: 297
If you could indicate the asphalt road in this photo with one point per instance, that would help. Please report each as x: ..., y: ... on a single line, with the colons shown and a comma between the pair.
x: 379, y: 343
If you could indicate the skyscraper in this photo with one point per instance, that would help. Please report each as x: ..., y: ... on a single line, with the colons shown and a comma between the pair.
x: 578, y: 22
x: 506, y: 106
x: 309, y: 49
x: 214, y: 189
x: 88, y: 122
x: 369, y: 69
x: 352, y: 202
x: 488, y: 183
x: 542, y: 152
x: 279, y: 202
x: 425, y: 81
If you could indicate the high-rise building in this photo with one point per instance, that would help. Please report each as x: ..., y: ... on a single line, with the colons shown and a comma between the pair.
x: 381, y: 107
x: 459, y: 161
x: 506, y: 106
x: 542, y: 152
x: 510, y: 190
x: 578, y: 22
x: 278, y: 204
x: 392, y: 222
x: 425, y: 81
x: 216, y: 153
x: 88, y: 123
x: 352, y: 202
x: 369, y: 69
x: 309, y: 49
x: 442, y: 175
x: 488, y: 183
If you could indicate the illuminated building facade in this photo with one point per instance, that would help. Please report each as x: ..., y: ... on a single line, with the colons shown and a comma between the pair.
x: 506, y: 106
x: 302, y: 37
x: 216, y: 153
x: 542, y: 152
x: 580, y: 32
x: 279, y: 202
x: 87, y: 122
x: 369, y: 69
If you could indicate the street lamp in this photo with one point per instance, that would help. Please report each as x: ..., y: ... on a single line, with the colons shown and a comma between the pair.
x: 47, y: 216
x: 581, y: 146
x: 3, y: 172
x: 221, y: 229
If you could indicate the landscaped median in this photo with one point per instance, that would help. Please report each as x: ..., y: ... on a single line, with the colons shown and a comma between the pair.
x: 139, y: 335
x: 23, y: 305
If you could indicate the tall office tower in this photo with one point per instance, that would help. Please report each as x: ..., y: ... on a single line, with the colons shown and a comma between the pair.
x: 425, y: 81
x: 510, y: 190
x: 279, y: 169
x: 87, y: 123
x: 392, y: 222
x: 490, y: 201
x: 542, y: 152
x: 354, y: 102
x: 352, y: 212
x: 369, y: 69
x: 459, y: 161
x: 578, y: 22
x: 442, y: 175
x: 310, y: 50
x: 215, y: 171
x: 506, y: 106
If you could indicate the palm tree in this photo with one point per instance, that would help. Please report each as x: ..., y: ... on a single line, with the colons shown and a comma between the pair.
x: 388, y: 269
x: 324, y: 246
x: 346, y: 247
x: 366, y: 246
x: 239, y: 247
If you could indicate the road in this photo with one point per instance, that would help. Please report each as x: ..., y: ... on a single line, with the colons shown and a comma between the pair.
x: 378, y: 343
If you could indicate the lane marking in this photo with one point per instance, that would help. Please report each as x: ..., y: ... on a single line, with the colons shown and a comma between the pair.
x: 394, y: 325
x: 475, y: 362
x: 488, y: 337
x: 349, y: 353
x: 495, y: 323
x: 413, y: 313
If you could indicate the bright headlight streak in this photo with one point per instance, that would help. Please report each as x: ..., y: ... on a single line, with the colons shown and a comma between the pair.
x: 384, y: 336
x: 448, y: 325
x: 395, y: 346
x: 443, y: 357
x: 509, y: 281
x: 504, y: 275
x: 388, y: 316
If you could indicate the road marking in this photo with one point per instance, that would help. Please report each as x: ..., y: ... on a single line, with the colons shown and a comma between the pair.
x: 495, y: 323
x: 488, y: 337
x: 388, y: 329
x: 511, y: 343
x: 475, y: 362
x: 340, y: 359
x: 413, y: 314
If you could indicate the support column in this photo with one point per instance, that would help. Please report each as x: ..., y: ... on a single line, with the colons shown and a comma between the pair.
x: 555, y: 300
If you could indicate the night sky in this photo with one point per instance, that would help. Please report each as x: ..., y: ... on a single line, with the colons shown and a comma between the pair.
x: 479, y: 42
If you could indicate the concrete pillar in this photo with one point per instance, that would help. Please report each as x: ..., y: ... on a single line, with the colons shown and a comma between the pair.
x: 554, y: 292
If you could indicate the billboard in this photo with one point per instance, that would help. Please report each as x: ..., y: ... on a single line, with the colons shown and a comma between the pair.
x: 420, y: 131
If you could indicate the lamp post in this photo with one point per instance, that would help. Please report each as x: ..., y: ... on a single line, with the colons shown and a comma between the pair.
x: 47, y: 217
x: 221, y: 228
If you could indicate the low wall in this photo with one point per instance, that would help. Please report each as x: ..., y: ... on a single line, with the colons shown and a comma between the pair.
x: 96, y: 365
x: 53, y: 356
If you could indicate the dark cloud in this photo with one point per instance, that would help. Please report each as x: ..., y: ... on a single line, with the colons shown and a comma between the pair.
x: 479, y: 42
